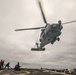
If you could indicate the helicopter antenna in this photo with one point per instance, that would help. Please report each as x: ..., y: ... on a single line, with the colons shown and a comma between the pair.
x: 69, y: 22
x: 40, y: 5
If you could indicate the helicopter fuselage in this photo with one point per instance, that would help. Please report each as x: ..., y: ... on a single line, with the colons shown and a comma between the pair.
x: 50, y: 34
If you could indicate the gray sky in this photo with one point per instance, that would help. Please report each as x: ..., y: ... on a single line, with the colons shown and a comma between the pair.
x: 16, y: 46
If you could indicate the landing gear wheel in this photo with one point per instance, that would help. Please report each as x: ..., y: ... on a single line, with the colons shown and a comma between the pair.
x: 58, y: 39
x: 40, y: 40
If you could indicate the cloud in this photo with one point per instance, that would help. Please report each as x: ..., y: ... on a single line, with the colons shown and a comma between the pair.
x: 16, y: 46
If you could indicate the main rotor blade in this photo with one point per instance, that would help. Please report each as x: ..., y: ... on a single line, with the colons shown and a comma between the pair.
x: 29, y: 29
x: 42, y: 12
x: 69, y: 22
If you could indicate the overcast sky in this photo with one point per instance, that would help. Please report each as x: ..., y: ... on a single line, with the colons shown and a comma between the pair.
x: 16, y: 46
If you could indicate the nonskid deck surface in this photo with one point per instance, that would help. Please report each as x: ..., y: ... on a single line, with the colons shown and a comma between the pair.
x: 32, y: 72
x: 7, y: 72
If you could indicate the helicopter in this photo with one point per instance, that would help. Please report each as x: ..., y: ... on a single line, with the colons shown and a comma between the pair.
x: 49, y: 33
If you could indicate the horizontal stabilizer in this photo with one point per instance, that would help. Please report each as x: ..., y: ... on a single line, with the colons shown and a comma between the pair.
x: 37, y: 49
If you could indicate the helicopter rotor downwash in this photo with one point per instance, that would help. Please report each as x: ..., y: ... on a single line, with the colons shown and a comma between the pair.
x: 49, y: 33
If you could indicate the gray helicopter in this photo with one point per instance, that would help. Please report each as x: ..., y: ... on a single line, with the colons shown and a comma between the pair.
x: 49, y: 33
